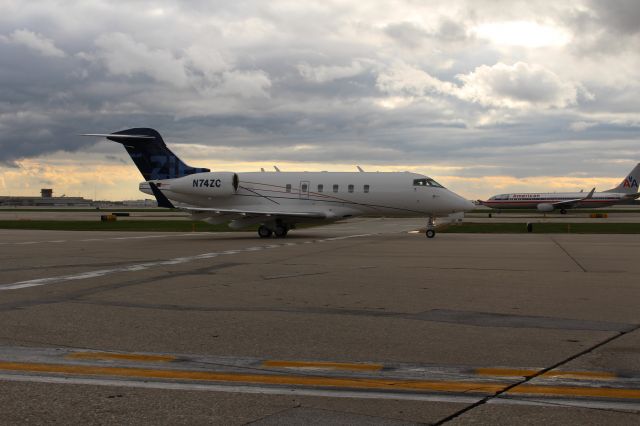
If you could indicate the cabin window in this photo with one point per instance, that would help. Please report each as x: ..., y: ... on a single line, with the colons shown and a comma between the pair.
x: 320, y: 187
x: 335, y: 188
x: 427, y: 182
x: 288, y: 187
x: 350, y: 188
x: 366, y: 189
x: 304, y: 187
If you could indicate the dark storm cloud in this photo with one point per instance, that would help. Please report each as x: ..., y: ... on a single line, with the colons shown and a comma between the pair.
x: 619, y: 16
x: 313, y: 82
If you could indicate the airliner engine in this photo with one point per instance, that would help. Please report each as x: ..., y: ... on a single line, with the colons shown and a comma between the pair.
x: 209, y: 184
x: 545, y: 207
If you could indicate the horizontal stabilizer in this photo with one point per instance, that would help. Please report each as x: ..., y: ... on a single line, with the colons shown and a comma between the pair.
x: 150, y: 154
x: 116, y: 136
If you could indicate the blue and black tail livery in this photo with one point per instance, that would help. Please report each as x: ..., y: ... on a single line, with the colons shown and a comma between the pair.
x: 162, y: 199
x: 151, y: 155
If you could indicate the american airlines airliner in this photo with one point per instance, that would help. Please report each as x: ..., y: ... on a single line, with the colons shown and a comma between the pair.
x: 549, y: 201
x: 277, y: 201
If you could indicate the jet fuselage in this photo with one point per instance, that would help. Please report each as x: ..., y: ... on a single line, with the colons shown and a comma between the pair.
x: 335, y: 194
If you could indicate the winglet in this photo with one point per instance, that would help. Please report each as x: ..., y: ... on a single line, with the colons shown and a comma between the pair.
x: 163, y: 201
x: 590, y: 194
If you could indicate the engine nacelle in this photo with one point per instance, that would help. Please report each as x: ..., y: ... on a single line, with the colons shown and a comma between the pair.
x: 545, y: 207
x: 209, y: 184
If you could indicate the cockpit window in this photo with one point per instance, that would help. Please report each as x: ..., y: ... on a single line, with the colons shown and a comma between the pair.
x: 426, y: 182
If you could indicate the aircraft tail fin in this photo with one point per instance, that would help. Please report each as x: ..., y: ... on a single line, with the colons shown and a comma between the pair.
x: 150, y: 154
x: 629, y: 185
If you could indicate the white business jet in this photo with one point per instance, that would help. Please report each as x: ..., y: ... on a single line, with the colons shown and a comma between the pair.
x: 277, y: 201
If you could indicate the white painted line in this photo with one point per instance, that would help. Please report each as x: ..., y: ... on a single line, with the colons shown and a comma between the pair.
x: 147, y: 265
x: 285, y: 390
x: 265, y: 390
x: 140, y: 237
x: 566, y: 402
x: 346, y: 237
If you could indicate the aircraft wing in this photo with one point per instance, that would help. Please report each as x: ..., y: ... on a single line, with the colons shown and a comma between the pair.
x: 568, y: 204
x: 216, y: 211
x: 163, y: 201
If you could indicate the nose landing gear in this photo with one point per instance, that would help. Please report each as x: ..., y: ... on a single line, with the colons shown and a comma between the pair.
x: 431, y: 228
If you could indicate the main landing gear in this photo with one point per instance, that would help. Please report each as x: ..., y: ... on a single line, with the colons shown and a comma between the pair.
x: 563, y: 211
x: 279, y: 230
x: 264, y: 232
x: 431, y: 228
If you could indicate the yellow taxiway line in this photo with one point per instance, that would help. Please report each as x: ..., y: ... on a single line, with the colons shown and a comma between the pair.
x: 516, y: 372
x: 364, y: 383
x: 339, y: 382
x: 576, y: 391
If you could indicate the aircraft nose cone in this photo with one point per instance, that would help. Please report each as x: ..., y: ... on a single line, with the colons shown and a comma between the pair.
x: 460, y: 204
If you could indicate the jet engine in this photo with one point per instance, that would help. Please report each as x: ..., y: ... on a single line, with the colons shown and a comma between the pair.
x: 208, y: 184
x: 545, y: 207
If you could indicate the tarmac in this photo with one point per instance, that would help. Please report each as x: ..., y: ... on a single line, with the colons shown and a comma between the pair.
x: 361, y: 322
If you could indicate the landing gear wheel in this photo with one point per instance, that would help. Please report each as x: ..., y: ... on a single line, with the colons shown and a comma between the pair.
x: 264, y: 232
x: 431, y: 224
x: 281, y: 231
x: 563, y: 211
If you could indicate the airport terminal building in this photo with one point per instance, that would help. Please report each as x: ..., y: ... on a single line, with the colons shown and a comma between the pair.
x: 46, y: 199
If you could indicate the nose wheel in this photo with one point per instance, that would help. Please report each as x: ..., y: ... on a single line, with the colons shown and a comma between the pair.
x: 431, y: 228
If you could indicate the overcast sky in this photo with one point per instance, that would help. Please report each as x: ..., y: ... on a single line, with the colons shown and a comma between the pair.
x: 487, y: 97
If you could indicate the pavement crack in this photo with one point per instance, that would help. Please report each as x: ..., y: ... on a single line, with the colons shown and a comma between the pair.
x: 293, y: 275
x: 537, y: 374
x: 569, y: 255
x: 284, y: 410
